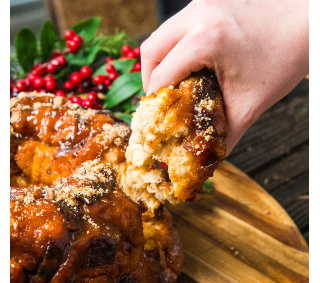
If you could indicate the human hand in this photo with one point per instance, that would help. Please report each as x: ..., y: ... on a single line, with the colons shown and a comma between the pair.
x: 259, y: 50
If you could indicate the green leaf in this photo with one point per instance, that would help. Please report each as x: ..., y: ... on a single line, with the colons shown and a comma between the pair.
x: 26, y: 48
x: 207, y: 187
x: 83, y: 57
x: 123, y: 87
x: 141, y: 93
x: 100, y: 71
x: 129, y: 106
x: 48, y: 39
x: 124, y: 116
x: 87, y: 29
x: 124, y: 65
x: 15, y: 68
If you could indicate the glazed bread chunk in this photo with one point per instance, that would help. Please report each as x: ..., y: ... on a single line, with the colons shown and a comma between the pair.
x: 70, y: 220
x: 178, y: 137
x: 83, y: 227
x: 51, y: 137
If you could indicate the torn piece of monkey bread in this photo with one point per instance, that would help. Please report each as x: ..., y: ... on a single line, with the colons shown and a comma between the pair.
x: 178, y: 137
x: 83, y: 229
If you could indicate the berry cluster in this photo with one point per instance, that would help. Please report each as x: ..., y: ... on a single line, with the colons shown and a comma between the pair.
x: 42, y: 79
x: 74, y: 41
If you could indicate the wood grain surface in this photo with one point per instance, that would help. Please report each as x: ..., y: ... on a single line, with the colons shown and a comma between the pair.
x: 239, y: 233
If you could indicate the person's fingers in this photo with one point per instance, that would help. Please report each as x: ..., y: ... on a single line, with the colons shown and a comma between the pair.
x: 159, y: 44
x: 190, y: 54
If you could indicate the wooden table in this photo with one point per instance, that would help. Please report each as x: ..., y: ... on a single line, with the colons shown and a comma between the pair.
x: 275, y: 153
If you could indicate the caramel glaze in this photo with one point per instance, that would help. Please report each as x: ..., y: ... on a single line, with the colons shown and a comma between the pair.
x: 50, y: 142
x: 83, y: 239
x: 53, y: 241
x: 203, y: 85
x: 206, y: 128
x: 16, y: 272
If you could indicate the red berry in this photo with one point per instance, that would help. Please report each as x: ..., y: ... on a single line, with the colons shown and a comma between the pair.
x: 163, y: 164
x: 28, y: 82
x: 49, y: 78
x: 69, y: 34
x: 77, y: 38
x: 99, y: 79
x: 15, y: 89
x: 85, y: 72
x: 87, y: 103
x: 113, y: 76
x: 92, y: 96
x: 50, y: 85
x: 38, y: 82
x: 39, y: 70
x: 60, y: 93
x: 192, y: 197
x: 131, y: 55
x: 101, y: 87
x: 55, y: 53
x: 110, y: 68
x: 125, y: 49
x: 76, y: 99
x: 97, y: 106
x: 51, y: 68
x: 76, y: 78
x: 21, y: 85
x: 137, y: 51
x: 32, y: 76
x: 136, y: 67
x: 68, y: 85
x: 74, y: 46
x: 59, y: 61
x: 108, y: 60
x: 107, y: 82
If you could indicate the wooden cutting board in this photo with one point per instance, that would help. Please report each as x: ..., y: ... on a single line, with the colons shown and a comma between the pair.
x: 239, y: 233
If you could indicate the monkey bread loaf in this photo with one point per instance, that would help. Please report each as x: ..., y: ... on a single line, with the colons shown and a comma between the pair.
x: 87, y: 191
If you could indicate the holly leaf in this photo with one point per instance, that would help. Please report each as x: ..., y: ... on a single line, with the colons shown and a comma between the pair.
x: 123, y: 87
x: 48, y: 39
x: 26, y: 48
x: 83, y: 57
x: 100, y: 71
x: 87, y: 29
x: 207, y: 187
x: 123, y: 65
x: 124, y: 116
x: 131, y: 104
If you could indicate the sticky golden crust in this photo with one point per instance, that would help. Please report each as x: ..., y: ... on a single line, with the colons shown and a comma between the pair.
x: 65, y: 201
x: 16, y: 272
x: 51, y: 137
x: 183, y: 128
x: 81, y: 226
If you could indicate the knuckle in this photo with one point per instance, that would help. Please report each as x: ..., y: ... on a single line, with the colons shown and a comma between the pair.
x: 201, y: 4
x: 144, y: 50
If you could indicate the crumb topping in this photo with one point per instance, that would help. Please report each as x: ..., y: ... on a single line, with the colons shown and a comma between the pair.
x: 83, y: 183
